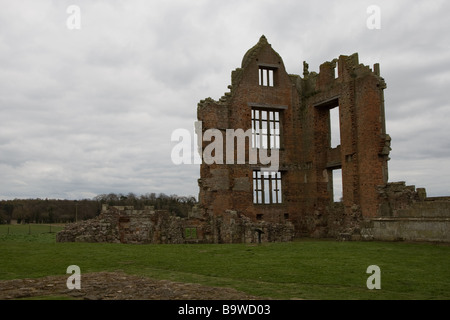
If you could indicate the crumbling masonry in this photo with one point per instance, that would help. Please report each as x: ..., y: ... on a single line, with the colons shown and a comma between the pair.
x: 291, y: 114
x: 288, y: 115
x: 124, y: 224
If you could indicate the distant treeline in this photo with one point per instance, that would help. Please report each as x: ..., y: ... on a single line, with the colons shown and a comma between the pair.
x: 64, y: 211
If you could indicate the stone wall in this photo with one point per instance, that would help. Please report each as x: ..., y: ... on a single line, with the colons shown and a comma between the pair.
x: 127, y: 225
x: 408, y: 229
x: 231, y: 227
x: 103, y: 228
x: 407, y: 214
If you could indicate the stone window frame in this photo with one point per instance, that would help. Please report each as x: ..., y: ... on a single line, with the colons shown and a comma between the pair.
x: 271, y: 122
x: 267, y: 187
x: 331, y: 104
x: 267, y: 74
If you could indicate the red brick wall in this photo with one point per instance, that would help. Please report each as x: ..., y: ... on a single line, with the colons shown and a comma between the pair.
x: 306, y: 159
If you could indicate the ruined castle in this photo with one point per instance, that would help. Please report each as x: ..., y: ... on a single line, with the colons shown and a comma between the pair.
x: 289, y: 115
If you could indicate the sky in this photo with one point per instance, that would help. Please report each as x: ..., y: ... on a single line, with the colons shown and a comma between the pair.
x: 91, y: 110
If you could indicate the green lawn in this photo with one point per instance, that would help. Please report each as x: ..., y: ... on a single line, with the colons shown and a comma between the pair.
x: 29, y: 232
x: 308, y: 269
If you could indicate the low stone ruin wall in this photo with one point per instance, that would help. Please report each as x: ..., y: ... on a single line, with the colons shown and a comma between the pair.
x: 409, y: 229
x: 407, y: 214
x: 230, y: 227
x: 127, y: 225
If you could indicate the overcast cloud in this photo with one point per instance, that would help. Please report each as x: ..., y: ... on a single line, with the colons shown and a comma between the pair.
x: 91, y: 111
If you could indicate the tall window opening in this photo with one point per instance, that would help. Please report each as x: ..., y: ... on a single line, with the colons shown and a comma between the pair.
x: 266, y: 77
x: 335, y: 131
x: 266, y: 187
x: 337, y: 185
x: 266, y: 129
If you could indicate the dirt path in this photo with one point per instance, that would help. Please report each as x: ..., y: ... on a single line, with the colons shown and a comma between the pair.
x: 116, y: 286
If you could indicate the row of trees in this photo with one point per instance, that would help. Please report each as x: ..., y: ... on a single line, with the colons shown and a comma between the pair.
x: 64, y: 211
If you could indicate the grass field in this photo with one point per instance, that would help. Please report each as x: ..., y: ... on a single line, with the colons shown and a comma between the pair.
x: 44, y: 233
x: 308, y: 269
